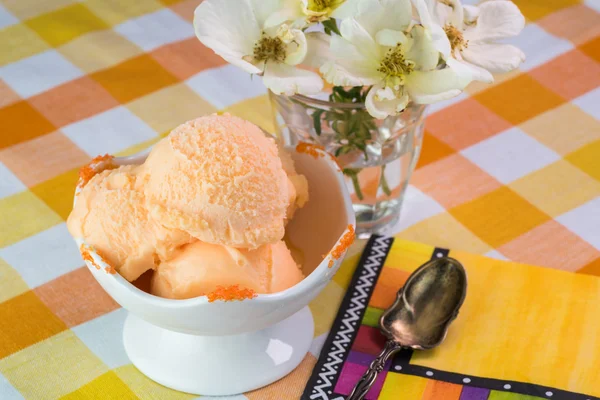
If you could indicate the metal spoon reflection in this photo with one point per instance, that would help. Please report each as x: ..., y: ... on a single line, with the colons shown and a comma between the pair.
x: 420, y: 316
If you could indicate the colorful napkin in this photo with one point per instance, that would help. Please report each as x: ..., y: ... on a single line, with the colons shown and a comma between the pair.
x: 524, y: 332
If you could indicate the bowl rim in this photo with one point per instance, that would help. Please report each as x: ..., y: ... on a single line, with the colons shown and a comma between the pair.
x: 297, y: 290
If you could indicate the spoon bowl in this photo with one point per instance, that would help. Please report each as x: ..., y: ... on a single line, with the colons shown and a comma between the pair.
x: 426, y: 305
x: 419, y: 317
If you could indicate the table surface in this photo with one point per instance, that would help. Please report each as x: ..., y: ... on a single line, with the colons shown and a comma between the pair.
x: 510, y: 170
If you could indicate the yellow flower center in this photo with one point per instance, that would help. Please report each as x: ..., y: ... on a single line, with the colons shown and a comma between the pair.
x: 269, y: 49
x: 323, y: 6
x: 395, y: 67
x: 455, y: 36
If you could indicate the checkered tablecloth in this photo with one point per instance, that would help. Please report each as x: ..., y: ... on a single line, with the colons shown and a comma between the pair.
x: 511, y: 170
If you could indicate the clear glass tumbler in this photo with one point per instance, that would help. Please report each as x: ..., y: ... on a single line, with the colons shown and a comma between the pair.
x: 377, y: 156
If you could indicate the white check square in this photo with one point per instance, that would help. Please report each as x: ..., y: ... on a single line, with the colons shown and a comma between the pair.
x: 583, y: 221
x: 101, y: 336
x: 590, y: 103
x: 44, y: 256
x: 6, y: 18
x: 435, y: 107
x: 593, y: 4
x: 38, y: 73
x: 9, y: 183
x: 109, y: 132
x: 510, y: 155
x: 8, y: 391
x: 496, y: 254
x: 539, y: 46
x: 225, y: 86
x: 156, y: 29
x: 417, y: 207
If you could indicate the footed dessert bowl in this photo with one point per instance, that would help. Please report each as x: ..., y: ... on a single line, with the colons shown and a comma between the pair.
x: 229, y: 347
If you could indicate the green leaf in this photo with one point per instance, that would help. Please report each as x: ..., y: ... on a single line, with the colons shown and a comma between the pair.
x: 316, y: 116
x: 331, y: 26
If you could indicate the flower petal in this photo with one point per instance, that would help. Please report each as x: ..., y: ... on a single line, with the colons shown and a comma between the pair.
x: 471, y: 13
x: 264, y: 8
x: 349, y: 67
x: 440, y: 41
x: 494, y: 57
x: 229, y: 28
x: 498, y: 19
x: 390, y: 38
x: 348, y: 9
x: 433, y: 86
x: 285, y: 79
x: 289, y: 11
x: 375, y: 15
x: 380, y: 104
x: 296, y: 49
x: 318, y: 49
x: 423, y: 13
x: 423, y: 51
x: 356, y: 34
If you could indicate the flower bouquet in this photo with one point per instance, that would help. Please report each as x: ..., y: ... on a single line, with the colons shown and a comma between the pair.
x: 354, y: 76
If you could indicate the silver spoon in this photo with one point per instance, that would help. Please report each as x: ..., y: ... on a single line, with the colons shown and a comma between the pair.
x: 420, y: 316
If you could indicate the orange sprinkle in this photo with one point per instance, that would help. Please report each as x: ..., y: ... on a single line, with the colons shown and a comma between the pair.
x: 109, y: 268
x: 85, y: 254
x: 310, y: 149
x: 87, y: 172
x: 345, y: 242
x: 230, y: 293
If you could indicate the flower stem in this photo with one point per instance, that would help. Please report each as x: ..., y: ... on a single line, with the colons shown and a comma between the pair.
x: 353, y: 174
x: 383, y: 182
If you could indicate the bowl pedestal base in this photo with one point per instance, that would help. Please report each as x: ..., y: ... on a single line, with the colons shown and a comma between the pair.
x: 218, y: 365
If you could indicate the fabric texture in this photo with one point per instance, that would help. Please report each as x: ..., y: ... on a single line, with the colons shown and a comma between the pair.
x: 509, y: 170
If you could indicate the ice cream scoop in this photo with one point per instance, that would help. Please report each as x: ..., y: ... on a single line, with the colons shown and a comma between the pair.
x: 220, y: 179
x: 200, y: 268
x: 110, y: 214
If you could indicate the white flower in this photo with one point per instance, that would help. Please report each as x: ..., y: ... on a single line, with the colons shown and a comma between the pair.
x: 473, y: 32
x: 382, y: 47
x: 236, y: 31
x: 304, y: 12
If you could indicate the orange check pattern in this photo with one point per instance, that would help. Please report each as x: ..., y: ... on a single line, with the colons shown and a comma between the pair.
x: 511, y: 170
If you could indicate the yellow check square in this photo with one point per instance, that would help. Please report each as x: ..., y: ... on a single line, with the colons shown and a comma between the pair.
x: 257, y: 110
x: 11, y: 283
x: 453, y: 236
x: 58, y: 192
x: 563, y: 129
x: 145, y: 388
x: 52, y: 368
x: 22, y: 215
x: 332, y: 294
x: 18, y: 42
x: 557, y: 188
x: 499, y: 216
x: 63, y: 25
x: 167, y: 108
x: 26, y: 9
x: 116, y: 11
x: 89, y: 52
x: 101, y: 387
x: 587, y: 159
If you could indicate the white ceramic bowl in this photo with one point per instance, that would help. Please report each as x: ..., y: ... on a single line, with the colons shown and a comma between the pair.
x: 224, y: 348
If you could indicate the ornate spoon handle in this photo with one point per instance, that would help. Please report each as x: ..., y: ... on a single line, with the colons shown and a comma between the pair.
x: 368, y: 379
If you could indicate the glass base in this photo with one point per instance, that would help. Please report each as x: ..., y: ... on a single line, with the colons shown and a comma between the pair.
x: 376, y: 218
